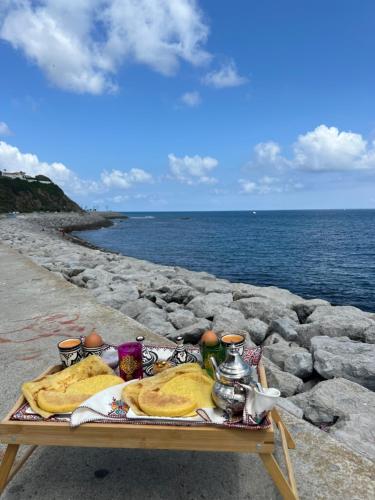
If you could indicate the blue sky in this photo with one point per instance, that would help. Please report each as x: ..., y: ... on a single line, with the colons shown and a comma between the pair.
x: 182, y: 105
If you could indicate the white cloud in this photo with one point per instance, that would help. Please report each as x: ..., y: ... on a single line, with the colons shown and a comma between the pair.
x: 268, y: 154
x: 328, y: 149
x: 80, y: 45
x: 324, y: 149
x: 226, y: 76
x: 268, y: 185
x: 4, y: 129
x: 12, y: 159
x: 191, y: 99
x: 120, y: 198
x: 124, y: 180
x: 192, y: 169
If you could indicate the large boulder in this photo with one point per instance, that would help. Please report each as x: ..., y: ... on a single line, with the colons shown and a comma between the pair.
x: 290, y: 358
x: 209, y: 285
x: 192, y: 333
x: 135, y: 307
x: 99, y: 275
x: 128, y: 291
x: 206, y: 306
x: 307, y: 307
x: 335, y: 321
x: 156, y: 321
x: 287, y: 383
x: 369, y: 335
x: 228, y: 320
x: 334, y: 399
x: 285, y: 327
x: 178, y: 293
x: 349, y: 313
x: 285, y: 297
x: 274, y: 338
x: 181, y: 318
x: 264, y: 309
x: 342, y: 357
x: 357, y: 432
x: 257, y: 330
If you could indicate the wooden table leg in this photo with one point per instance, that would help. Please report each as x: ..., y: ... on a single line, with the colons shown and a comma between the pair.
x: 276, y: 416
x: 278, y: 477
x: 6, y: 464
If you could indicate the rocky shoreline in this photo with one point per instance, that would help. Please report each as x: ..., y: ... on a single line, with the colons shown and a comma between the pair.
x: 321, y: 357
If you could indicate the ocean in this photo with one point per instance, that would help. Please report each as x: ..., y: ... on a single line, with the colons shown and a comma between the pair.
x: 328, y: 254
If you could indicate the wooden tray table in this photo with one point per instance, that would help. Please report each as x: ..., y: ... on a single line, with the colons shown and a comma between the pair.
x: 116, y: 435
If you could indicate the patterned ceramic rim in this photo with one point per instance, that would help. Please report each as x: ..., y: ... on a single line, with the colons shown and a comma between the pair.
x: 72, y: 348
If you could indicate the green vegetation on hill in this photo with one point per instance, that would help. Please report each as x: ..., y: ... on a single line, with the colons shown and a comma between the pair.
x: 17, y: 195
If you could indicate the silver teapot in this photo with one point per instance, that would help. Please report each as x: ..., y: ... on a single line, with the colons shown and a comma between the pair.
x: 227, y: 392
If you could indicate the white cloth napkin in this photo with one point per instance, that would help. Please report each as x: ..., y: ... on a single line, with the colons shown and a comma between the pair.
x: 106, y: 406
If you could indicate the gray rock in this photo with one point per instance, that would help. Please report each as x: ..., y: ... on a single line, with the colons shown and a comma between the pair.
x: 336, y: 398
x: 136, y: 307
x: 357, y: 432
x: 113, y: 299
x: 274, y: 338
x: 103, y: 277
x: 179, y: 294
x: 209, y: 285
x: 294, y: 360
x: 342, y: 357
x: 264, y: 309
x: 74, y: 271
x: 127, y: 291
x: 78, y: 281
x: 369, y: 335
x: 290, y: 407
x: 192, y: 333
x: 156, y: 321
x: 206, y: 306
x: 287, y: 383
x: 160, y: 303
x: 181, y: 318
x: 285, y: 328
x: 307, y: 307
x: 257, y: 330
x: 344, y: 312
x: 228, y: 320
x: 172, y: 306
x: 285, y: 297
x: 335, y: 321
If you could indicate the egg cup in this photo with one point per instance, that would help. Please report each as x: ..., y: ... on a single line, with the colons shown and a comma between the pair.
x: 90, y: 351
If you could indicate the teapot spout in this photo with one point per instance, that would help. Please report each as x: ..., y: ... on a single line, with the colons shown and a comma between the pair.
x: 215, y: 368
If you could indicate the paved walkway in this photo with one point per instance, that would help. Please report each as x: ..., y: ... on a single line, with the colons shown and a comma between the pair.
x: 37, y: 309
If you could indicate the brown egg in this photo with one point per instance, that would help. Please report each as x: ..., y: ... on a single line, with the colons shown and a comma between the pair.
x: 209, y: 338
x: 93, y: 340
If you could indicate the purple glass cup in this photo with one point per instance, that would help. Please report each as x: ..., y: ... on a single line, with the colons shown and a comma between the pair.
x: 130, y: 360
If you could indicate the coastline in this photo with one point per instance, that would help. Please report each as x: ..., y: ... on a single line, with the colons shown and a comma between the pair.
x: 310, y: 348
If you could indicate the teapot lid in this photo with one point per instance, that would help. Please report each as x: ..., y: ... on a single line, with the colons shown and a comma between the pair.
x: 234, y: 367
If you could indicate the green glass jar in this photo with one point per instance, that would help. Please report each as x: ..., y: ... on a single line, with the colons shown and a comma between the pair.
x: 217, y: 351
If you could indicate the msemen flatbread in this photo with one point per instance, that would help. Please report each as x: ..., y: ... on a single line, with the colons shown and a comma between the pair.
x: 196, y: 386
x: 171, y: 392
x: 60, y: 381
x: 155, y: 403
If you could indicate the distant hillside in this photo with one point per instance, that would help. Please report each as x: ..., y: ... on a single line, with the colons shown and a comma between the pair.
x: 18, y: 195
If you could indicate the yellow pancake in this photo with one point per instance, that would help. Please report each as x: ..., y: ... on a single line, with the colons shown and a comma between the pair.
x: 153, y: 402
x: 60, y: 381
x: 196, y: 386
x: 94, y: 385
